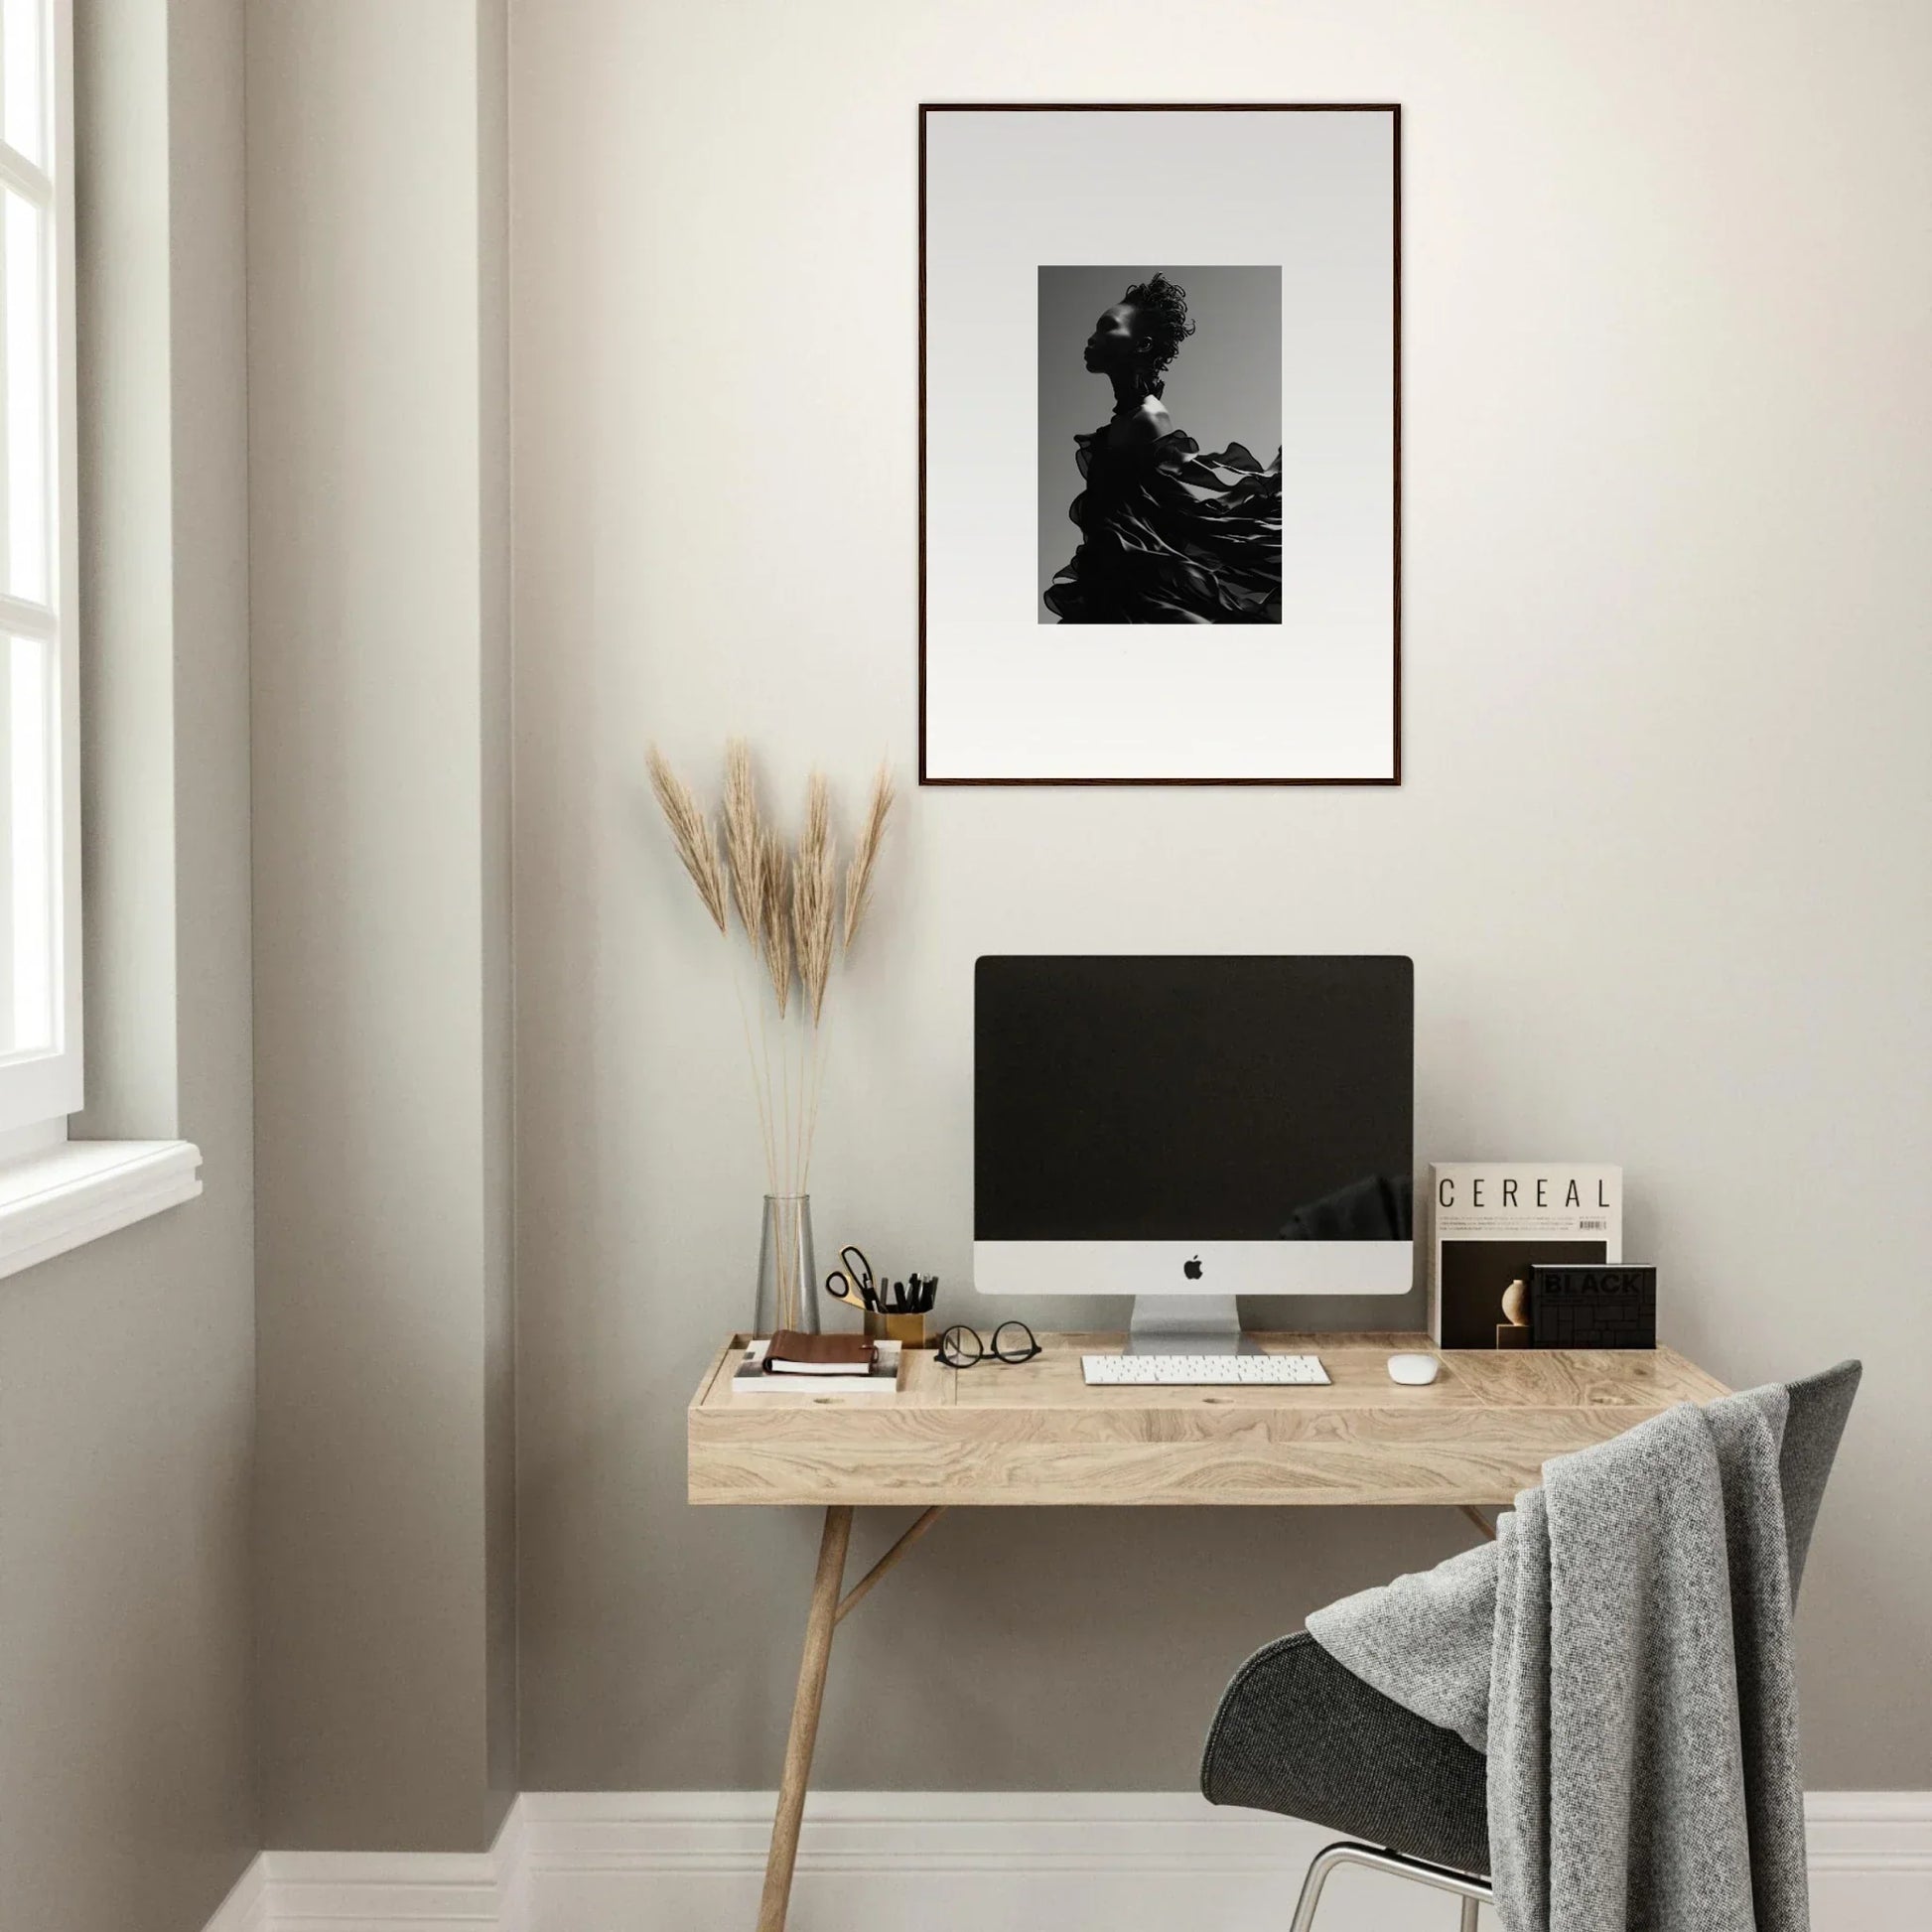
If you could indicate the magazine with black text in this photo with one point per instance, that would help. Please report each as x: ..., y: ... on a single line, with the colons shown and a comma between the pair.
x: 1489, y: 1220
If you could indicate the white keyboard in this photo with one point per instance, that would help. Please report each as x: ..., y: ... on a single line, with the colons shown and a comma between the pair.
x: 1202, y: 1371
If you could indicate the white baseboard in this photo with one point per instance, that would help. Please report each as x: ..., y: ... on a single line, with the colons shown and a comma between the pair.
x: 954, y: 1861
x: 1870, y: 1860
x: 245, y: 1909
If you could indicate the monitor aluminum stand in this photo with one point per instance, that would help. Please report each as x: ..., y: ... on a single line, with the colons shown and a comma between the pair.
x: 1187, y: 1324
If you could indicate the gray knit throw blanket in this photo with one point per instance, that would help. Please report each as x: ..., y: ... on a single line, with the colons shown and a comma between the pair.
x: 1623, y: 1653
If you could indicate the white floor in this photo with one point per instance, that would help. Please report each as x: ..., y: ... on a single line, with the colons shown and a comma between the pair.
x: 938, y: 1862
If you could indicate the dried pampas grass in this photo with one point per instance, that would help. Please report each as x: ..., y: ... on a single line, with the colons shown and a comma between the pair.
x: 787, y: 902
x: 692, y: 835
x: 814, y: 896
x: 774, y: 915
x: 864, y: 855
x: 744, y: 837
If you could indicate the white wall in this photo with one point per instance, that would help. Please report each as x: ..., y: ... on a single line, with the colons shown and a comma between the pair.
x: 1660, y: 856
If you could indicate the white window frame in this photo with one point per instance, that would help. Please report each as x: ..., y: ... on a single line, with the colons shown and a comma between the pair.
x: 54, y: 1192
x: 40, y: 1089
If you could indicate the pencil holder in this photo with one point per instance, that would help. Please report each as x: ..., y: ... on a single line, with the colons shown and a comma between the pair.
x: 909, y: 1330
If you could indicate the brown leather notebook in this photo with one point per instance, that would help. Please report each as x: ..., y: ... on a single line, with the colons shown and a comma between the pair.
x: 793, y: 1353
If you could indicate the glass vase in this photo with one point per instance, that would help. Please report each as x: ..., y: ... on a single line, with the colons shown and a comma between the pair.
x: 787, y: 1270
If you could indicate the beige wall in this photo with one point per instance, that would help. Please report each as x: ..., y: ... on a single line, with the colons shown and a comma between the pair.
x: 1661, y: 856
x: 377, y: 515
x: 127, y: 1747
x: 494, y: 906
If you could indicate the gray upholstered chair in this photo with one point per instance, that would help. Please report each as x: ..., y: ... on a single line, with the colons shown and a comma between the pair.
x: 1298, y: 1733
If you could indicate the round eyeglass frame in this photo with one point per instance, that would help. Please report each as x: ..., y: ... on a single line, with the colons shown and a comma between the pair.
x: 1007, y: 1346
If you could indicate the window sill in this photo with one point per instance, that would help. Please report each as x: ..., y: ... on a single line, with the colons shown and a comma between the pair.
x: 77, y: 1192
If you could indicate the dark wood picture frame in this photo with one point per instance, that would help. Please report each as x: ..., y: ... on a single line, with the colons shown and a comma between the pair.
x: 1391, y: 109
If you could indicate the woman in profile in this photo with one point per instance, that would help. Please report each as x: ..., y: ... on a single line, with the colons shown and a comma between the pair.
x: 1167, y: 535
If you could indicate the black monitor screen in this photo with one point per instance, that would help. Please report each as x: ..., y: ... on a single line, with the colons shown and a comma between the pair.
x: 1192, y: 1099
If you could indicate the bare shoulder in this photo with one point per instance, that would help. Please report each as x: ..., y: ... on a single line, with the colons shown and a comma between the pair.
x: 1148, y: 424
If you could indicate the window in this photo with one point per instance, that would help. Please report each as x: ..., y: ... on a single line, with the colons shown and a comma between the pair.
x: 54, y: 1192
x: 40, y: 873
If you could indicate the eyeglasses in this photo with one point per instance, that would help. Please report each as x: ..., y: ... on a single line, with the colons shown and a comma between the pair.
x: 1013, y: 1342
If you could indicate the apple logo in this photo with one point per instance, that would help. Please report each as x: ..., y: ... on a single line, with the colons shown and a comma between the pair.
x: 1191, y: 1269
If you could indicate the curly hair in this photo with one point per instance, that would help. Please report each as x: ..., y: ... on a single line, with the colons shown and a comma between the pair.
x: 1161, y: 322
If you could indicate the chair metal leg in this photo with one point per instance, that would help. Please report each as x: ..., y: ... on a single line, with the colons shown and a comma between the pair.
x: 1473, y: 1891
x: 1324, y: 1863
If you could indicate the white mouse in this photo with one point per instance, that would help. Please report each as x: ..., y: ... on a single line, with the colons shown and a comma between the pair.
x: 1413, y: 1369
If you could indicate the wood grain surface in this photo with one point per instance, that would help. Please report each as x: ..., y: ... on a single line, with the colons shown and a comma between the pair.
x: 1033, y: 1432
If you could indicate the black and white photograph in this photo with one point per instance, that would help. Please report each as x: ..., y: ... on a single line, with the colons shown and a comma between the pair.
x: 1176, y: 488
x: 1159, y: 388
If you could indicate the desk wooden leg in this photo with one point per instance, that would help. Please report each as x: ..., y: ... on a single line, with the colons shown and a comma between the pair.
x: 819, y: 1623
x: 1478, y: 1519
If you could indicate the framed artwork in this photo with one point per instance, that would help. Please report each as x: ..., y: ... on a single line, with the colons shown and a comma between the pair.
x: 1159, y: 443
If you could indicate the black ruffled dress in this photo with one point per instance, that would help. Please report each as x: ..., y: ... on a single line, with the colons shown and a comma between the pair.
x: 1171, y: 536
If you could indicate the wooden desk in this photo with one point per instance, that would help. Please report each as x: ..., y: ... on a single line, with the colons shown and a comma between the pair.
x: 1033, y: 1432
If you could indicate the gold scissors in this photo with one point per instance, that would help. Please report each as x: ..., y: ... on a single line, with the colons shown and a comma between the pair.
x: 852, y: 1281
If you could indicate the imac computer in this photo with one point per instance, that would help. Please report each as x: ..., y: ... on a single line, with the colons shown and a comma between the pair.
x: 1184, y: 1130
